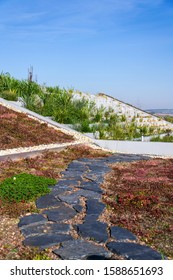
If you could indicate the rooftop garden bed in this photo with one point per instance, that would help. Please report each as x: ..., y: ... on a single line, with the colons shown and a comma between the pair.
x: 18, y: 130
x: 49, y: 165
x: 139, y: 197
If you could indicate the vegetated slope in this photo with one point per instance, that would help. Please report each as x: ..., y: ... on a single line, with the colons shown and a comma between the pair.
x: 129, y: 112
x: 18, y: 130
x: 104, y: 116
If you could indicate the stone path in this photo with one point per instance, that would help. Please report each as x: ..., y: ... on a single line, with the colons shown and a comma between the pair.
x: 55, y: 226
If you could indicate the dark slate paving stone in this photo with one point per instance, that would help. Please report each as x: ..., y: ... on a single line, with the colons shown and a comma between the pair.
x: 81, y: 250
x: 92, y: 186
x: 33, y: 230
x: 59, y: 228
x: 97, y: 174
x: 93, y: 177
x: 32, y: 219
x: 71, y: 173
x: 57, y: 191
x: 94, y: 207
x: 46, y: 241
x: 97, y: 164
x: 126, y: 158
x: 97, y: 257
x: 133, y: 251
x: 72, y: 198
x: 60, y: 214
x: 78, y: 207
x: 47, y: 228
x: 89, y: 218
x: 93, y: 230
x: 46, y: 201
x: 99, y: 169
x: 89, y: 194
x: 85, y: 160
x: 74, y: 177
x: 67, y: 182
x: 76, y: 166
x: 121, y: 233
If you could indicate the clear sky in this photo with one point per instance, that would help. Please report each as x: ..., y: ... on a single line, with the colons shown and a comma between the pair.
x: 123, y: 48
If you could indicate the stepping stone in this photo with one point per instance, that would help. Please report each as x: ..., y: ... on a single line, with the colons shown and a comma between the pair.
x: 71, y: 173
x: 72, y: 198
x: 94, y: 207
x: 99, y: 169
x: 81, y: 250
x: 46, y: 240
x: 46, y: 229
x: 66, y: 183
x: 74, y: 177
x: 89, y: 218
x: 119, y: 158
x: 134, y: 251
x: 95, y: 231
x: 93, y: 177
x: 121, y: 233
x: 76, y: 166
x: 92, y: 186
x: 85, y: 160
x: 60, y: 214
x: 97, y: 257
x: 46, y: 201
x: 57, y: 191
x: 78, y: 207
x: 126, y: 158
x: 90, y: 176
x: 32, y: 219
x: 89, y: 194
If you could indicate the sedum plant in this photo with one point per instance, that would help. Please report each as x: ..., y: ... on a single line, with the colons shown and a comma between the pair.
x: 24, y: 187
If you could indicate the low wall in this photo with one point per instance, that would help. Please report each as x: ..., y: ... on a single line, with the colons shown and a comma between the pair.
x: 135, y: 147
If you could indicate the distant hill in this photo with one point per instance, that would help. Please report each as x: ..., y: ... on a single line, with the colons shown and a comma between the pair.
x: 160, y: 111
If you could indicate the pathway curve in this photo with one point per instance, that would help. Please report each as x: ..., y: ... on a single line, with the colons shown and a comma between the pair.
x: 55, y: 226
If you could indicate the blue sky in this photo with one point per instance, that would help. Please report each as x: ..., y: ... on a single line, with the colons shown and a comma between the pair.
x: 123, y: 48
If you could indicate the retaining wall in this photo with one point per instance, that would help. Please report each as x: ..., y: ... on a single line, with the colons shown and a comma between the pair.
x: 135, y: 147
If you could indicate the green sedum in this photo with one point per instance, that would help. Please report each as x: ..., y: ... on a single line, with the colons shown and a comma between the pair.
x: 24, y: 187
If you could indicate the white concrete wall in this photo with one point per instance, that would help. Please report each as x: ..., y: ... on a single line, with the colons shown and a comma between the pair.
x: 135, y: 147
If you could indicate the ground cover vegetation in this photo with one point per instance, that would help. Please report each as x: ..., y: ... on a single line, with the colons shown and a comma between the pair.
x: 48, y: 165
x: 24, y: 187
x: 82, y: 114
x: 139, y: 197
x: 18, y: 130
x: 166, y: 138
x: 168, y: 118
